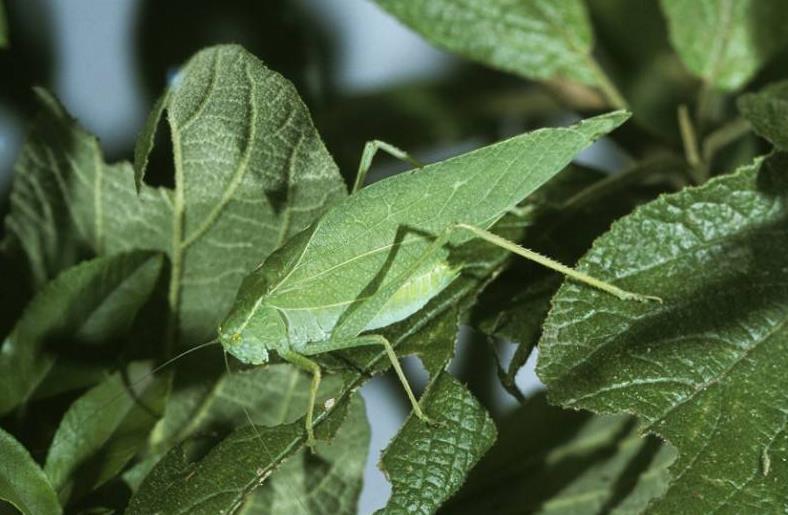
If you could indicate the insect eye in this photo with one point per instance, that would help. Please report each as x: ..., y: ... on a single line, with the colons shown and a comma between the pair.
x: 236, y: 337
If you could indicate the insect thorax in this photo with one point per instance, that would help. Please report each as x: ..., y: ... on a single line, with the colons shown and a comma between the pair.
x: 249, y: 333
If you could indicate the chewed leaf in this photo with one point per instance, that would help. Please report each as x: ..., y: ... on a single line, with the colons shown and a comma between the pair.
x: 250, y: 171
x: 705, y: 370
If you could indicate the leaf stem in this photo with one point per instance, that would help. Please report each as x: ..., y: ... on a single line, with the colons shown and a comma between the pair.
x: 691, y: 151
x: 606, y: 86
x: 651, y: 167
x: 173, y: 295
x: 723, y: 137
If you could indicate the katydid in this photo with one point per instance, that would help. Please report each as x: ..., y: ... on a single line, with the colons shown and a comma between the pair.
x: 381, y: 254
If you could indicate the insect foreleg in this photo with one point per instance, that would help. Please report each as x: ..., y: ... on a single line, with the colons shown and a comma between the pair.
x: 310, y: 366
x: 555, y: 265
x: 363, y: 341
x: 370, y: 149
x: 380, y: 340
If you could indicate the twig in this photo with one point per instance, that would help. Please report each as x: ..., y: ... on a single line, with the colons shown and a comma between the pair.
x: 689, y: 139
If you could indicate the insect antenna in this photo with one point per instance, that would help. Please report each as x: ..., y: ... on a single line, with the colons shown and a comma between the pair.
x: 267, y: 451
x: 129, y: 390
x: 130, y: 386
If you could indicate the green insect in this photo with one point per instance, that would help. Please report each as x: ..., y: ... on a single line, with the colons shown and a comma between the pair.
x: 381, y: 254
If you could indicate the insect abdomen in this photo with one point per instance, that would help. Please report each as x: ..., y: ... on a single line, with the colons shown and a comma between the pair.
x: 414, y: 294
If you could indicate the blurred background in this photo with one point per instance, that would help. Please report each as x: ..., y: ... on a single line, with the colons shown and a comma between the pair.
x: 363, y: 75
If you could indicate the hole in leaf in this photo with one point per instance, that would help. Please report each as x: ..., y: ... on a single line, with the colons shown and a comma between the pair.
x: 161, y: 167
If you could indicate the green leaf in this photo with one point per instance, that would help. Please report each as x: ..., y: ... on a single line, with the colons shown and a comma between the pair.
x: 222, y: 479
x: 561, y: 221
x: 536, y: 39
x: 725, y: 42
x: 633, y: 38
x: 549, y: 460
x: 705, y: 369
x: 463, y: 427
x: 250, y: 171
x: 61, y: 205
x: 767, y: 112
x: 274, y: 396
x: 87, y: 304
x: 427, y: 463
x: 327, y: 482
x: 103, y: 430
x: 22, y: 482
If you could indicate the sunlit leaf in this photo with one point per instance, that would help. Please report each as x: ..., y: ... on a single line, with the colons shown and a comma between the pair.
x: 704, y: 369
x: 537, y: 39
x: 725, y: 42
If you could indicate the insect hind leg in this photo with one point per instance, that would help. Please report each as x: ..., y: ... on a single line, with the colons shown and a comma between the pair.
x: 555, y: 265
x: 370, y: 149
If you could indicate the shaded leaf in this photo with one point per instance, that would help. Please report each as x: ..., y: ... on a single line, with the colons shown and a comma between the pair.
x: 704, y: 370
x: 427, y: 463
x: 22, y: 482
x: 273, y: 396
x: 60, y: 198
x: 536, y: 39
x: 725, y: 42
x: 103, y: 430
x: 633, y: 37
x: 221, y: 480
x: 87, y: 304
x: 549, y: 460
x: 326, y: 482
x: 767, y: 112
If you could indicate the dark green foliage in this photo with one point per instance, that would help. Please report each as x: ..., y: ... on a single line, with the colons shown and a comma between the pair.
x: 109, y: 270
